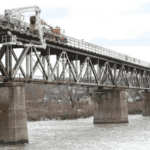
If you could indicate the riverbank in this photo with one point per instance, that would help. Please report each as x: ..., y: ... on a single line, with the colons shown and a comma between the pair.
x: 54, y: 110
x: 135, y: 107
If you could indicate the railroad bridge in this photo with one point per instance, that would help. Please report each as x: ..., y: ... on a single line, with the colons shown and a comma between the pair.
x: 77, y: 63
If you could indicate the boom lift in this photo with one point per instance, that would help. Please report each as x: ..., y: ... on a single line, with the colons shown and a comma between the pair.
x: 36, y: 23
x: 18, y: 13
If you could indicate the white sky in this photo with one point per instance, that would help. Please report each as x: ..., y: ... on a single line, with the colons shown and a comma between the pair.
x: 122, y: 26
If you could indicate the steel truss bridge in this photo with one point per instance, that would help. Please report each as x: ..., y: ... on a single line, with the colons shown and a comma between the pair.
x: 77, y: 62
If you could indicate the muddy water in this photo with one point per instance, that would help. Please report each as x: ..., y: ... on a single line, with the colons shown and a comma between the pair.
x: 83, y: 134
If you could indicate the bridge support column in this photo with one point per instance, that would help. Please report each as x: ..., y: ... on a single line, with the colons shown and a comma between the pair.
x: 13, y: 117
x: 146, y: 107
x: 111, y: 107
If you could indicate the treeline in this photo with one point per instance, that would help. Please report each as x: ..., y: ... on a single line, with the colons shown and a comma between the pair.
x: 63, y: 102
x: 41, y: 93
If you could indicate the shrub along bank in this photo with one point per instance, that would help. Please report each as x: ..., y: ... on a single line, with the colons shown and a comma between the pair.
x: 54, y: 110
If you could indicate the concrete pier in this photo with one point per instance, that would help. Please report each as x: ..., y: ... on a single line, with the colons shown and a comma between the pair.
x: 13, y: 117
x: 111, y: 107
x: 146, y: 107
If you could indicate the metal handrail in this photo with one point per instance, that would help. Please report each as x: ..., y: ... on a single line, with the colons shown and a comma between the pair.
x: 104, y: 51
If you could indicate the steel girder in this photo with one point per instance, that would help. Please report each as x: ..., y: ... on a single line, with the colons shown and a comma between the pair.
x: 81, y: 69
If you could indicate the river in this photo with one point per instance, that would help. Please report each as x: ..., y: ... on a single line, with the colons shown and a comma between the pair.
x: 83, y: 134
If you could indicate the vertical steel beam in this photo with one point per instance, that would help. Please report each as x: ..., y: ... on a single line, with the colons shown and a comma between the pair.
x: 10, y: 61
x: 88, y: 69
x: 27, y: 64
x: 7, y: 59
x: 81, y: 65
x: 146, y: 77
x: 115, y: 74
x: 43, y: 63
x: 139, y: 72
x: 107, y: 72
x: 31, y: 64
x: 148, y: 73
x: 98, y: 70
x: 76, y: 60
x: 63, y: 62
x: 70, y: 71
x: 48, y: 56
x: 57, y: 69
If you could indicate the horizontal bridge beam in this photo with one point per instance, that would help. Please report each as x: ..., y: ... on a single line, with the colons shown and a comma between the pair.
x: 88, y: 54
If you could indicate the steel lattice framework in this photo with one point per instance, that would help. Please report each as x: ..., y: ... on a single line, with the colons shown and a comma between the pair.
x: 74, y: 65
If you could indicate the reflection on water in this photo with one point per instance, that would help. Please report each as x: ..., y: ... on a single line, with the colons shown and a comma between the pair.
x: 83, y: 134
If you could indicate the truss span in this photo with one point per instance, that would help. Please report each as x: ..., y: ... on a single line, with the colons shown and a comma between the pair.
x: 69, y: 67
x: 22, y: 29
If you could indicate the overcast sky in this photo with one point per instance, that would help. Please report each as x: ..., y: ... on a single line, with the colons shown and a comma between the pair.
x: 122, y: 26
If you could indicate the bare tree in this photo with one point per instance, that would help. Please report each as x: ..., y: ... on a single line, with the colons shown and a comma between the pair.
x: 34, y: 92
x: 71, y: 94
x: 50, y: 92
x: 133, y: 94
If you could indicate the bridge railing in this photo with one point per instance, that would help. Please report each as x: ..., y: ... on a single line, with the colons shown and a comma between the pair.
x: 25, y: 27
x: 104, y: 51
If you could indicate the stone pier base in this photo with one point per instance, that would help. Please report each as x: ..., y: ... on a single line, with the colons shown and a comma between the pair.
x: 111, y: 107
x: 146, y: 107
x: 13, y: 117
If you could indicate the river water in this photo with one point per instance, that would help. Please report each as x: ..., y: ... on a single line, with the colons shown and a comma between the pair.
x: 83, y: 134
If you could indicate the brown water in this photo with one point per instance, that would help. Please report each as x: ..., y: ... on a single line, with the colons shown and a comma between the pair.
x: 83, y: 134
